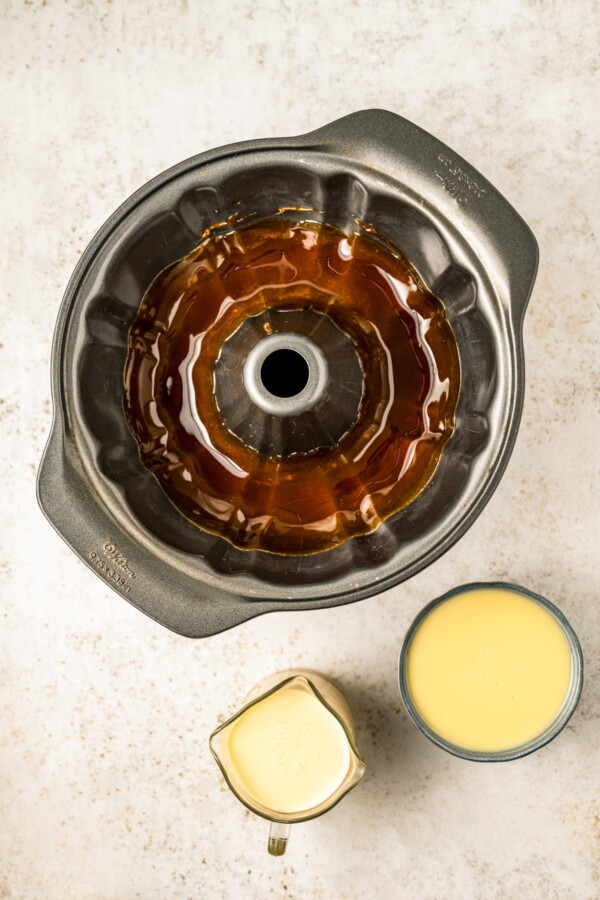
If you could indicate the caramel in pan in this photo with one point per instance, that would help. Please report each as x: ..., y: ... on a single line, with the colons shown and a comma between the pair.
x: 303, y: 502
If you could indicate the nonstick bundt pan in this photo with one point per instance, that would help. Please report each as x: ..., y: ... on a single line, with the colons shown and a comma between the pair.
x: 374, y: 168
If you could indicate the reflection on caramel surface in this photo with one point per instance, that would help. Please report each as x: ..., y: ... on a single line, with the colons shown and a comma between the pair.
x: 304, y: 502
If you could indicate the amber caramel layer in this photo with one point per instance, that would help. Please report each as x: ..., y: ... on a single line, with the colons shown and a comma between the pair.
x: 301, y: 503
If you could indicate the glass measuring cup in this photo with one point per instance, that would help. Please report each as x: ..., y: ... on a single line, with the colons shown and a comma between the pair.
x: 331, y: 703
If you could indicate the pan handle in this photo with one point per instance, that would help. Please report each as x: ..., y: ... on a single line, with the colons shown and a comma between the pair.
x: 73, y: 508
x: 437, y: 177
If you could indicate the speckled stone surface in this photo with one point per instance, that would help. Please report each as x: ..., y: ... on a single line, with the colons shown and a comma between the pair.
x: 107, y: 787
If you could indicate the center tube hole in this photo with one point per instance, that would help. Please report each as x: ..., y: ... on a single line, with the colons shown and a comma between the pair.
x: 284, y: 373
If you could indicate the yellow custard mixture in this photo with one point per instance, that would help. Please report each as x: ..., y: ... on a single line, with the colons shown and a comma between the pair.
x: 489, y: 669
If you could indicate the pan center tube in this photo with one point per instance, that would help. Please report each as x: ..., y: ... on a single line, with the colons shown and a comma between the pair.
x: 286, y: 374
x: 289, y: 381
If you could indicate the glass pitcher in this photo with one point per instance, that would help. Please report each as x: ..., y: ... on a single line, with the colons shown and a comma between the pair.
x: 333, y: 701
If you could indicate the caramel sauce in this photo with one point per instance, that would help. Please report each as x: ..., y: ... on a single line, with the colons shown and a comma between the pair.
x: 305, y: 502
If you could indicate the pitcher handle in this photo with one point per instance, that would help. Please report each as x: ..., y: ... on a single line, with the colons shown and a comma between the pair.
x: 278, y: 838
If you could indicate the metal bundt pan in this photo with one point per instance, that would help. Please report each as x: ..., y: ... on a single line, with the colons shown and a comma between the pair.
x: 471, y: 248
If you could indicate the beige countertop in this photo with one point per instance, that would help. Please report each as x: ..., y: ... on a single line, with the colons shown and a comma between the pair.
x: 107, y: 787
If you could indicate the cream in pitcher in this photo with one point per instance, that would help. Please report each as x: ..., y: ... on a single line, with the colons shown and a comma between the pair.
x: 289, y: 753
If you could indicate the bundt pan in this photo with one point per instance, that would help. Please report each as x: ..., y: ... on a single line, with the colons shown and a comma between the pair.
x: 470, y: 248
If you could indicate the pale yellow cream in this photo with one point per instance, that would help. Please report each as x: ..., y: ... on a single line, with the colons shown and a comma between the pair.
x: 489, y: 669
x: 288, y: 752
